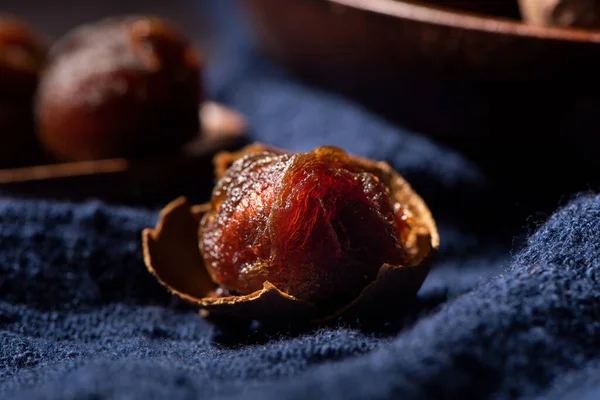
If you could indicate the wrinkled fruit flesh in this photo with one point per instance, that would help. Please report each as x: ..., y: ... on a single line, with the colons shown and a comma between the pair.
x: 316, y: 225
x: 120, y: 87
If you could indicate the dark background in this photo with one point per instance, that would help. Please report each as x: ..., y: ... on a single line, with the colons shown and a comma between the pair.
x: 56, y: 17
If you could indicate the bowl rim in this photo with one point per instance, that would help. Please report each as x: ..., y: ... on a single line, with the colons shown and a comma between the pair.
x: 427, y: 13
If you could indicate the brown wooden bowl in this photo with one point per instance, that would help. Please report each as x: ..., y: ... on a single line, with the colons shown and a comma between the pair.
x: 519, y: 99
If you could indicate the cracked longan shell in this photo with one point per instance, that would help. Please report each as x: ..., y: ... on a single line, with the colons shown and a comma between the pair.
x: 172, y: 255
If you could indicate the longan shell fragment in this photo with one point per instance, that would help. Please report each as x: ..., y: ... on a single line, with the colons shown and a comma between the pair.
x: 172, y: 255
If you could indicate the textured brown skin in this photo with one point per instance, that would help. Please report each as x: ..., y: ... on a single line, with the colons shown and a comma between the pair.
x: 22, y: 55
x: 563, y: 13
x: 121, y: 87
x: 316, y: 225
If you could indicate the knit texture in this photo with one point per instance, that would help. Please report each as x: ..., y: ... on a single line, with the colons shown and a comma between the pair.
x: 498, y: 317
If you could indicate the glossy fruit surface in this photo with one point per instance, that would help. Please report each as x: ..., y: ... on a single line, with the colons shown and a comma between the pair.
x: 316, y: 225
x: 121, y: 87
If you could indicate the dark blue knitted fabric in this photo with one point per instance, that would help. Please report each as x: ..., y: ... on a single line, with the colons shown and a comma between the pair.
x: 498, y: 317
